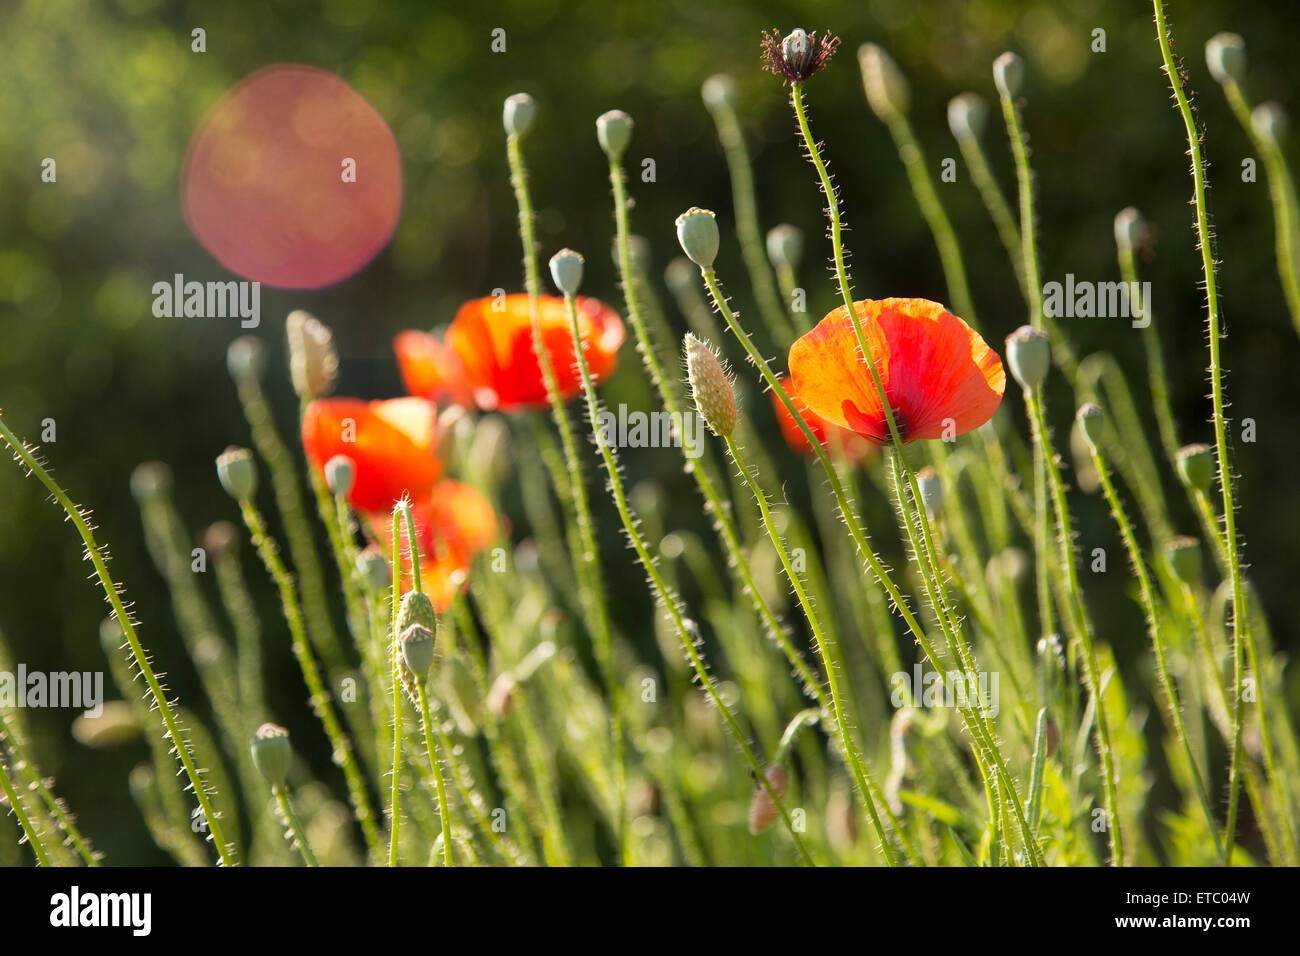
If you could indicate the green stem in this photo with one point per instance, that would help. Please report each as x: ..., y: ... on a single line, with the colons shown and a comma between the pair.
x: 53, y: 804
x: 33, y: 835
x: 395, y: 794
x: 295, y: 826
x: 444, y: 814
x: 996, y: 204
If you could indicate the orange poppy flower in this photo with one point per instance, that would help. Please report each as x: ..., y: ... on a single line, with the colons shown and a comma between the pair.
x: 829, y: 435
x: 488, y: 352
x: 939, y: 376
x: 391, y: 444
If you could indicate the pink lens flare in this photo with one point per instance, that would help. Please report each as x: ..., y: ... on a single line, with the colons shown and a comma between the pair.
x: 292, y: 179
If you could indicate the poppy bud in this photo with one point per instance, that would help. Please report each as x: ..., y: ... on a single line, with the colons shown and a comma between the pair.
x: 614, y: 131
x: 237, y: 473
x: 374, y: 568
x: 220, y: 538
x: 113, y: 727
x: 697, y: 231
x: 967, y: 114
x: 340, y: 472
x: 246, y: 358
x: 931, y: 490
x: 1090, y: 418
x: 785, y: 246
x: 313, y: 360
x: 719, y: 92
x: 566, y: 271
x: 417, y: 649
x: 1225, y: 55
x: 1008, y: 74
x: 501, y: 694
x: 1029, y: 353
x: 1269, y: 122
x: 518, y: 115
x: 681, y: 276
x: 1184, y: 555
x: 150, y: 480
x: 714, y: 397
x: 887, y: 91
x: 1196, y: 465
x: 762, y: 809
x: 416, y: 608
x: 1128, y: 228
x: 272, y: 754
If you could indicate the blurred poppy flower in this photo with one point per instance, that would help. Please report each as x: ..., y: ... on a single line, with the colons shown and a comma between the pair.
x: 391, y: 444
x: 830, y: 436
x: 487, y: 353
x: 939, y: 376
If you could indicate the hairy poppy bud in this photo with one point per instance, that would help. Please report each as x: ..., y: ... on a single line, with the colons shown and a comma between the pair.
x: 967, y: 114
x: 237, y: 473
x: 714, y: 397
x: 1008, y: 74
x: 518, y: 115
x: 1090, y: 418
x: 415, y: 609
x: 340, y: 472
x: 719, y: 92
x: 149, y: 480
x: 697, y: 231
x: 272, y: 754
x: 313, y: 361
x: 614, y: 131
x: 887, y: 91
x: 566, y: 271
x: 1196, y: 465
x: 1029, y: 353
x: 1184, y: 555
x: 246, y: 358
x: 927, y: 479
x: 417, y: 649
x: 1269, y: 122
x: 1225, y: 55
x: 785, y: 246
x: 762, y: 810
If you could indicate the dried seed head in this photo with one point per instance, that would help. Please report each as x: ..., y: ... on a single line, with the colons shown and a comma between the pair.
x: 927, y: 479
x: 1029, y: 353
x: 518, y: 115
x: 417, y: 649
x: 697, y: 231
x: 967, y: 114
x: 246, y: 358
x: 566, y: 271
x: 714, y: 397
x: 340, y: 473
x: 785, y: 246
x: 719, y: 92
x: 1090, y: 418
x: 1008, y: 74
x: 1196, y: 465
x: 237, y: 473
x: 272, y: 753
x: 1184, y: 555
x: 614, y: 131
x: 1225, y: 55
x: 798, y: 56
x: 762, y: 810
x: 887, y: 90
x: 1269, y: 121
x: 313, y: 360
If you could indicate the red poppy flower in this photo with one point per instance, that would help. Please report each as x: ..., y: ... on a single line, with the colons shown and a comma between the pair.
x: 391, y: 444
x: 829, y: 435
x: 939, y: 376
x: 488, y: 352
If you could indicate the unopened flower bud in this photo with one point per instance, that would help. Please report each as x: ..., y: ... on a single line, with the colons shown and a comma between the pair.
x: 416, y: 608
x: 614, y: 131
x: 246, y: 358
x: 719, y: 92
x: 566, y: 271
x: 272, y: 754
x: 1269, y: 122
x: 1029, y: 353
x: 313, y: 360
x: 1090, y: 418
x: 714, y: 397
x: 785, y: 246
x: 340, y: 473
x: 220, y: 538
x: 697, y: 231
x: 114, y: 726
x: 887, y: 90
x: 1008, y: 74
x: 967, y: 114
x: 1225, y: 55
x: 1129, y: 226
x: 1196, y: 465
x: 762, y: 809
x: 1184, y: 556
x: 681, y: 276
x: 150, y: 480
x: 927, y: 479
x: 237, y: 473
x: 374, y: 568
x: 417, y: 649
x: 518, y: 115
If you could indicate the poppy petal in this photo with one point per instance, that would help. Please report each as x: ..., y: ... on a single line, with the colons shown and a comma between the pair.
x: 431, y: 369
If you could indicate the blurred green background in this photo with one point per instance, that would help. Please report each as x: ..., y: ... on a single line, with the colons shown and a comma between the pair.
x: 112, y: 90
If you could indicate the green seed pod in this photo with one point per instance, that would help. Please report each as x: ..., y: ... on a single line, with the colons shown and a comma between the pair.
x: 237, y: 473
x: 967, y: 114
x: 785, y: 246
x: 246, y: 358
x: 1184, y: 556
x: 272, y: 753
x: 417, y: 649
x: 697, y: 231
x: 518, y: 115
x: 1225, y: 55
x: 886, y: 87
x: 1029, y: 353
x: 566, y: 271
x: 150, y: 480
x: 614, y: 131
x: 1196, y: 465
x: 313, y: 360
x: 1009, y: 74
x: 1090, y: 418
x: 1269, y: 122
x: 1129, y: 227
x: 374, y: 569
x: 340, y: 473
x: 927, y: 479
x: 719, y: 92
x: 714, y: 397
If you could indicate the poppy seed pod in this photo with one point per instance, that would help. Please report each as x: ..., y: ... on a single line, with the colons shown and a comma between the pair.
x: 614, y: 131
x: 340, y: 473
x: 1128, y: 228
x: 237, y: 473
x: 272, y: 753
x: 1225, y: 55
x: 785, y: 246
x: 566, y: 271
x: 697, y: 231
x: 417, y: 649
x: 313, y: 361
x: 1269, y: 122
x: 714, y: 397
x: 246, y: 358
x: 762, y: 810
x: 719, y: 92
x: 518, y: 115
x: 1184, y: 555
x: 1029, y: 353
x: 927, y: 479
x: 1009, y: 74
x: 967, y: 114
x: 1090, y: 418
x: 886, y: 87
x: 1196, y: 465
